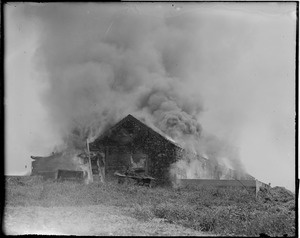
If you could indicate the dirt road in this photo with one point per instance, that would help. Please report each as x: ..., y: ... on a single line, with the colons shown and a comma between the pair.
x: 87, y: 220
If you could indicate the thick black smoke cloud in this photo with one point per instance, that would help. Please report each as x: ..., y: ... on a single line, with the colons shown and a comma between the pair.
x: 104, y: 61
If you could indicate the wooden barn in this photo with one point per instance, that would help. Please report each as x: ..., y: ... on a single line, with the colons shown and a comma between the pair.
x: 132, y: 144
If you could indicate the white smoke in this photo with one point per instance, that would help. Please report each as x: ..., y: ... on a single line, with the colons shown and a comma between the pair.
x: 104, y: 61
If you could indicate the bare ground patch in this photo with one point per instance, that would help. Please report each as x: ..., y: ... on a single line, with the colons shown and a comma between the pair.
x: 85, y: 220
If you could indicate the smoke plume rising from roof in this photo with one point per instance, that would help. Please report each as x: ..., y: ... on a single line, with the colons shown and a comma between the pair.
x: 101, y: 62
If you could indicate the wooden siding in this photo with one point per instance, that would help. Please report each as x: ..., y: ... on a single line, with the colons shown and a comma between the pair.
x: 133, y: 138
x: 70, y: 175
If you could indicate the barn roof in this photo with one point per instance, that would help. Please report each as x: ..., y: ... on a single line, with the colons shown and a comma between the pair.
x: 129, y: 117
x: 53, y: 155
x: 65, y: 154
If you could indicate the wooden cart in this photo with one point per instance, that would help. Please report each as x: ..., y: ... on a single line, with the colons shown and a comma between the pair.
x: 140, y: 179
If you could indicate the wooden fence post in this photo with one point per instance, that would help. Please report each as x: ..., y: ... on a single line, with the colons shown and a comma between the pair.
x: 89, y: 157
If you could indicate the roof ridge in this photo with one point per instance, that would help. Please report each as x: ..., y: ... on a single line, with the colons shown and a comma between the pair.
x: 158, y: 133
x: 128, y: 117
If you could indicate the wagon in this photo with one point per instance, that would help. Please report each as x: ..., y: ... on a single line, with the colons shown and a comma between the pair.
x: 139, y: 179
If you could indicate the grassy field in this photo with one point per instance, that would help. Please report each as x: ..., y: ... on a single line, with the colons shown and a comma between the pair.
x: 218, y: 211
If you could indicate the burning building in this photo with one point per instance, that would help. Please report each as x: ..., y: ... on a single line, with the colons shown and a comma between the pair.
x: 132, y: 144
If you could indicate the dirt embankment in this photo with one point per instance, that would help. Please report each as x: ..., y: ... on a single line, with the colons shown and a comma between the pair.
x: 86, y: 220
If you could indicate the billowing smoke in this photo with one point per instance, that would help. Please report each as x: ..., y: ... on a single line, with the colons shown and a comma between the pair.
x: 213, y: 158
x: 104, y: 61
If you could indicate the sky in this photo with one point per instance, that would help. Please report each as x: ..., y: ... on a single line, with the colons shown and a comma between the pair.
x: 229, y: 66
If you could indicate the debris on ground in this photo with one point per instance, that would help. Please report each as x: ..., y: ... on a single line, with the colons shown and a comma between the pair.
x: 276, y: 194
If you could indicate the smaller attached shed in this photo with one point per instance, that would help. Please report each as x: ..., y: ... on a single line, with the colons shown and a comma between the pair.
x: 70, y: 165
